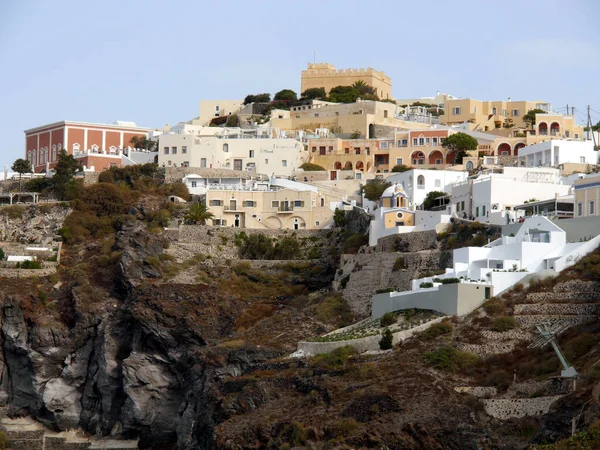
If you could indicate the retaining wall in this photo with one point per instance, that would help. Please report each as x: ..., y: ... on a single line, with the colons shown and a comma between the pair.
x: 363, y: 344
x: 502, y: 408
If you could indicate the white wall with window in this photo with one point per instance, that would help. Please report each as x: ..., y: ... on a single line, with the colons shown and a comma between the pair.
x: 555, y: 152
x: 426, y: 181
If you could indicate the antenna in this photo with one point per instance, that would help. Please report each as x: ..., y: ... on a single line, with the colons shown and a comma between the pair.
x: 548, y: 332
x: 314, y: 56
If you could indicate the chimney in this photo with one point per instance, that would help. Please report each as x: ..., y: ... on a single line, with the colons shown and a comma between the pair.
x: 509, y: 99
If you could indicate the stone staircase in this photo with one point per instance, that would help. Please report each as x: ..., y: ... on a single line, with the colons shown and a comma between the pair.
x: 571, y: 303
x: 27, y: 434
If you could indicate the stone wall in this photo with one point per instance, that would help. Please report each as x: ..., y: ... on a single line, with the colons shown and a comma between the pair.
x: 477, y: 391
x: 34, y: 225
x: 501, y: 408
x: 363, y: 344
x: 408, y: 242
x: 556, y: 308
x: 26, y: 273
x: 90, y: 178
x: 175, y: 174
x: 383, y: 131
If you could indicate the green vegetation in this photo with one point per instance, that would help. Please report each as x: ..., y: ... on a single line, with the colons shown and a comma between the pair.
x: 373, y: 189
x: 21, y: 166
x: 460, y: 143
x: 333, y: 309
x: 286, y: 95
x: 257, y: 98
x: 342, y: 428
x: 292, y: 435
x: 198, y: 213
x: 335, y: 358
x: 398, y: 264
x: 587, y: 440
x: 13, y: 211
x: 426, y: 285
x: 310, y: 167
x: 29, y: 265
x: 232, y: 121
x: 2, y: 255
x: 353, y: 243
x: 446, y: 280
x: 500, y: 379
x: 314, y: 93
x: 387, y: 340
x: 437, y: 329
x: 349, y: 94
x: 449, y: 359
x: 494, y: 307
x: 504, y: 323
x: 579, y: 345
x: 4, y: 441
x: 63, y: 184
x: 430, y: 198
x: 400, y: 168
x: 384, y: 290
x: 339, y: 218
x: 144, y: 143
x: 259, y: 246
x: 389, y: 318
x: 529, y: 118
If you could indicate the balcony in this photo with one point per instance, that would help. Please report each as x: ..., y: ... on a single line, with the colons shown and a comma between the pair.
x: 285, y: 209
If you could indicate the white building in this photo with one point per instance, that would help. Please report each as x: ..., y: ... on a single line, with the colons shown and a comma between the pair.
x: 538, y: 245
x: 490, y: 198
x: 254, y: 151
x: 417, y: 183
x: 554, y: 152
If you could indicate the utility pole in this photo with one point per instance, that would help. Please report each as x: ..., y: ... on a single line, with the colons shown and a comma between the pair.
x: 567, y: 109
x: 589, y: 127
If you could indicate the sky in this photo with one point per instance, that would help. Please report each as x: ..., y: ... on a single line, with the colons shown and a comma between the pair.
x: 151, y: 62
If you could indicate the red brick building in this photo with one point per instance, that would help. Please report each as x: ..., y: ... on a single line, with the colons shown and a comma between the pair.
x: 96, y: 145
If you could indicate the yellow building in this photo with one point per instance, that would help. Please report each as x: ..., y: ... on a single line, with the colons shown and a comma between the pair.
x: 271, y: 208
x: 587, y: 196
x: 366, y: 155
x: 324, y: 75
x: 489, y: 115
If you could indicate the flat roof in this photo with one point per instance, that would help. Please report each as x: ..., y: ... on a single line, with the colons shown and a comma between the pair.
x: 69, y: 122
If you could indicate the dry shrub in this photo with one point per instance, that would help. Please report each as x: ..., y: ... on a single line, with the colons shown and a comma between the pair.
x: 252, y: 315
x: 438, y: 329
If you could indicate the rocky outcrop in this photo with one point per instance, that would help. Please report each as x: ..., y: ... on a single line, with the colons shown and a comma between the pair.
x: 33, y: 224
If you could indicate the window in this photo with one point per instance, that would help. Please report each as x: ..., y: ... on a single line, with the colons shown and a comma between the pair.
x: 427, y: 141
x: 316, y: 114
x: 404, y: 142
x: 283, y: 163
x: 251, y: 153
x: 357, y: 150
x: 504, y: 112
x: 203, y: 162
x: 314, y: 149
x: 274, y: 203
x: 384, y: 145
x: 592, y: 208
x: 494, y: 111
x: 462, y: 205
x: 477, y: 211
x: 217, y: 108
x: 483, y: 210
x: 184, y: 149
x: 266, y: 161
x: 456, y: 111
x: 347, y: 151
x: 368, y: 150
x: 215, y: 202
x: 169, y: 163
x: 221, y: 222
x: 457, y: 206
x: 515, y: 113
x: 317, y: 223
x: 330, y: 148
x: 415, y: 142
x: 580, y: 209
x: 322, y: 150
x: 298, y: 203
x: 166, y: 150
x: 225, y: 147
x: 174, y: 150
x: 420, y: 182
x: 582, y: 159
x: 385, y: 114
x: 186, y: 164
x: 434, y: 141
x: 194, y: 184
x: 421, y: 141
x: 438, y: 183
x: 248, y: 204
x: 398, y: 161
x: 442, y: 140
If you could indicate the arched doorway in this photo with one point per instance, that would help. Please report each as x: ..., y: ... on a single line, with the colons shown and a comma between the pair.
x: 518, y: 147
x: 417, y: 158
x: 554, y: 128
x: 543, y: 128
x: 348, y: 166
x: 360, y: 165
x: 371, y: 131
x: 337, y: 166
x: 436, y: 157
x: 503, y: 149
x: 420, y: 182
x: 298, y: 223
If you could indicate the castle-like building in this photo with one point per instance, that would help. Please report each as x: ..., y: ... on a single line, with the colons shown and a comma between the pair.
x: 324, y: 75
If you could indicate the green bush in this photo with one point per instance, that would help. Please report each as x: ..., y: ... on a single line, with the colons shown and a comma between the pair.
x: 400, y: 168
x: 342, y: 428
x: 399, y: 264
x: 29, y: 265
x: 579, y: 345
x: 500, y: 379
x: 438, y: 329
x: 387, y: 340
x: 504, y: 323
x: 333, y: 309
x: 493, y: 307
x: 337, y: 357
x: 310, y: 167
x: 426, y: 285
x: 4, y: 441
x: 389, y: 318
x: 2, y: 255
x: 449, y: 359
x: 446, y: 280
x: 352, y: 244
x: 13, y: 212
x: 287, y: 247
x: 384, y: 290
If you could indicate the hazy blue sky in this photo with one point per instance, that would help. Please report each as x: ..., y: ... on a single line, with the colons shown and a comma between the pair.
x: 152, y: 61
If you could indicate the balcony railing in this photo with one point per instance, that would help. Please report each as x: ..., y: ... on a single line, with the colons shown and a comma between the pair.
x: 285, y: 209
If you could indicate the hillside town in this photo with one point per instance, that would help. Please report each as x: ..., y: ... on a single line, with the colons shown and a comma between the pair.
x: 386, y: 224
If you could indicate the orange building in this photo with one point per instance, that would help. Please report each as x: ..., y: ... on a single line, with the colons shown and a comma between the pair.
x: 95, y: 144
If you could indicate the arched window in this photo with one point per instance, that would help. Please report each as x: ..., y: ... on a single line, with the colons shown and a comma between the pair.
x: 322, y: 202
x: 226, y: 147
x: 420, y: 182
x: 54, y: 152
x: 76, y: 147
x: 494, y: 111
x: 95, y: 148
x: 469, y: 165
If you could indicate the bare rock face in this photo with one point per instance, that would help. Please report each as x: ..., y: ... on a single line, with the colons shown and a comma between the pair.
x: 33, y: 225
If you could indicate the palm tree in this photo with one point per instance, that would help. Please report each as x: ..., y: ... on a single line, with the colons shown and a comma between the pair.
x: 199, y: 213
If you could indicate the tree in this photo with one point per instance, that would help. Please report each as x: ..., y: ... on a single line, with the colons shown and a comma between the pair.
x: 198, y: 213
x: 144, y: 143
x: 339, y: 217
x: 529, y: 118
x: 356, y: 134
x: 508, y: 123
x: 429, y: 201
x: 460, y: 143
x: 21, y: 166
x: 257, y: 98
x: 233, y: 121
x: 400, y: 168
x: 314, y: 93
x: 387, y: 340
x: 286, y: 95
x: 62, y: 180
x: 374, y: 189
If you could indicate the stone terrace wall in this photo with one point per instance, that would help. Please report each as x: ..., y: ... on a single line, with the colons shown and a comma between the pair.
x: 503, y: 409
x: 408, y: 242
x: 173, y: 174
